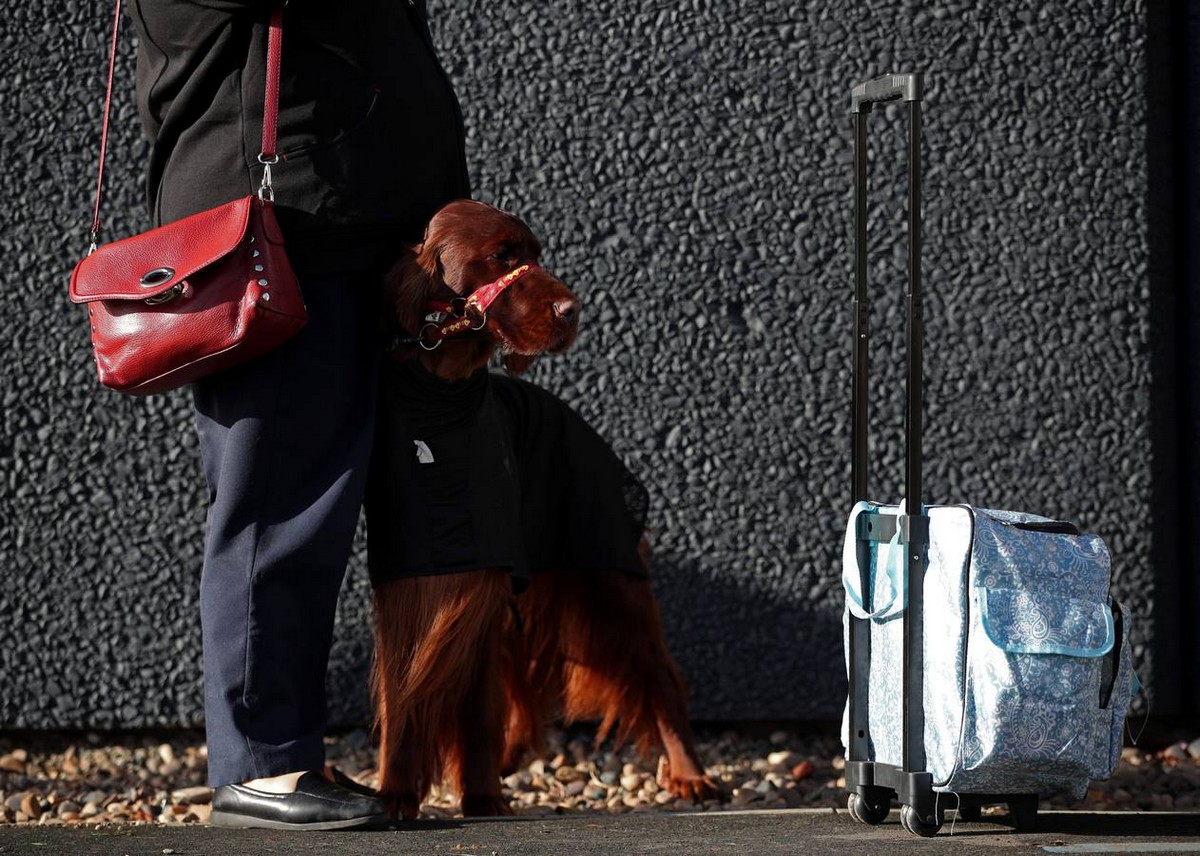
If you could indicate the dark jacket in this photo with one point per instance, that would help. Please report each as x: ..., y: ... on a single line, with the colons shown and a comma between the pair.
x: 370, y: 133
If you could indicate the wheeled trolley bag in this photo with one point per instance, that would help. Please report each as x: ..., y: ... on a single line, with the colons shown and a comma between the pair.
x: 986, y: 661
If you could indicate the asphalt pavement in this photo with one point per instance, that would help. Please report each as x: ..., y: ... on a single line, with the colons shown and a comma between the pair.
x: 822, y: 832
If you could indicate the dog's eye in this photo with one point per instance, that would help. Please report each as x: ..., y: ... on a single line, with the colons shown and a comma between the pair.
x: 504, y: 254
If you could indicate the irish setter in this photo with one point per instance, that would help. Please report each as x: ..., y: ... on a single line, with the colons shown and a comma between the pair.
x: 466, y: 671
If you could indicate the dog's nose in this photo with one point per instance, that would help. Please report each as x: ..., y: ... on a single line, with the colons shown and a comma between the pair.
x: 567, y: 310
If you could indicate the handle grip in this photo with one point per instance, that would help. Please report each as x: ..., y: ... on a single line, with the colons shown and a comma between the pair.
x: 890, y: 87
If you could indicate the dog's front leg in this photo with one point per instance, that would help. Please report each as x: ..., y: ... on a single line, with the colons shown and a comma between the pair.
x: 399, y: 761
x: 481, y: 740
x: 404, y: 771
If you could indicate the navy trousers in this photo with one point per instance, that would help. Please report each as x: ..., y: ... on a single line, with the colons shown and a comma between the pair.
x: 286, y: 441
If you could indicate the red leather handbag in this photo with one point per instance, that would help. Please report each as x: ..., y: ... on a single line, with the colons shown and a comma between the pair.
x: 196, y: 296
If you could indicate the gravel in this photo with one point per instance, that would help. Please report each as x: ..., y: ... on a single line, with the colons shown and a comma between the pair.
x: 112, y: 778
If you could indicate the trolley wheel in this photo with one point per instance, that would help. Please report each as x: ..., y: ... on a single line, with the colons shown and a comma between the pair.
x: 864, y: 812
x: 912, y: 822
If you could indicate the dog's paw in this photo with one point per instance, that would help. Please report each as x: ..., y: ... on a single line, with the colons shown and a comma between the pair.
x: 403, y: 806
x: 695, y: 786
x: 699, y: 789
x: 485, y: 805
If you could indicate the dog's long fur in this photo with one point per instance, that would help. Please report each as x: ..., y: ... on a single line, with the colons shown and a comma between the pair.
x: 465, y: 675
x: 593, y: 648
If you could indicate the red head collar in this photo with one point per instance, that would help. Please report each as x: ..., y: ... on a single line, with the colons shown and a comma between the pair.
x: 444, y: 319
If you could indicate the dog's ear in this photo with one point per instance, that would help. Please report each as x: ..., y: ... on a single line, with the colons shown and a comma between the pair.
x: 516, y: 364
x: 406, y: 289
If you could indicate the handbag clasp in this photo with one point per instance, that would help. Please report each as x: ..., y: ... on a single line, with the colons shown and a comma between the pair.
x: 175, y: 291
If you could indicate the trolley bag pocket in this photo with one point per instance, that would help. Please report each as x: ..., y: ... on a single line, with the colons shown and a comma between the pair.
x: 1026, y: 656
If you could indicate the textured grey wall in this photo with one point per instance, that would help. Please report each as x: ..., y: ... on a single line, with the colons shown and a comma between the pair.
x: 688, y: 164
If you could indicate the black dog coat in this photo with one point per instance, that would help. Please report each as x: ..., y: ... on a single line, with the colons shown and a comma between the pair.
x: 493, y: 472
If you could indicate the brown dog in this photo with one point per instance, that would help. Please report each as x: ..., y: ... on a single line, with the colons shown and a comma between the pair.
x: 485, y: 484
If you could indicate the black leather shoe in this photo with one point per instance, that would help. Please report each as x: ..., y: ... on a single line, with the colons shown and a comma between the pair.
x: 317, y: 803
x: 340, y: 778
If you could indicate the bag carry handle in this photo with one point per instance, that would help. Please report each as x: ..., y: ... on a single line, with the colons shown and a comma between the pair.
x: 270, y: 112
x: 892, y: 570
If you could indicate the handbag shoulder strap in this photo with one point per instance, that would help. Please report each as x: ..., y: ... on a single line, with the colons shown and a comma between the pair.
x: 267, y: 157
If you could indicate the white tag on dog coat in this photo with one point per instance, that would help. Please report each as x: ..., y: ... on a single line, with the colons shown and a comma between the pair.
x: 424, y: 456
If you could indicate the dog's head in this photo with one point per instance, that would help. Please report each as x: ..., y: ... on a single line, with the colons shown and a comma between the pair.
x: 468, y: 245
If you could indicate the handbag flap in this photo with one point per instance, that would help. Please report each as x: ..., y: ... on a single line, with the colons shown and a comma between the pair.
x: 1021, y: 622
x: 154, y: 262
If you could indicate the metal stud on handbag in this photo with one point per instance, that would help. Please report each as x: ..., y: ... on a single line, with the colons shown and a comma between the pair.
x: 188, y: 299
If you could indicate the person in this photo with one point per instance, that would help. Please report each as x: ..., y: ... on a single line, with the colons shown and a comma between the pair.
x: 371, y: 144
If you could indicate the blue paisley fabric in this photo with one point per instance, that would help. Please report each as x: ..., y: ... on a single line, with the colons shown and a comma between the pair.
x: 1018, y: 630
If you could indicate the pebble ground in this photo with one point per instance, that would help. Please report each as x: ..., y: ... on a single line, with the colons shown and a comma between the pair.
x: 113, y: 778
